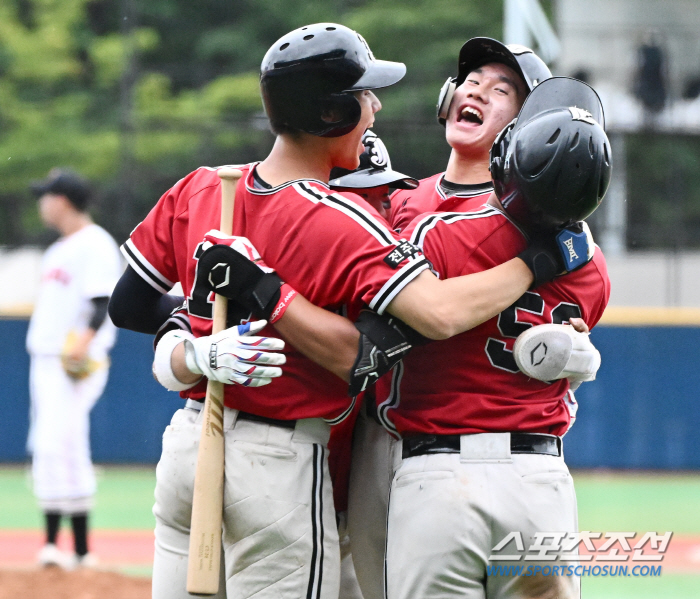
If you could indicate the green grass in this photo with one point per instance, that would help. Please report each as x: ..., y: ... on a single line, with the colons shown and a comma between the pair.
x: 124, y: 499
x: 607, y: 501
x: 666, y: 586
x: 614, y: 501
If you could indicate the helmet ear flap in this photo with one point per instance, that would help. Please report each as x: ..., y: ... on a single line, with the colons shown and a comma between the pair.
x: 340, y: 113
x: 497, y: 156
x: 445, y: 99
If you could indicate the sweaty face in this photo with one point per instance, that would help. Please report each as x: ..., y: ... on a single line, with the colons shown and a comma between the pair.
x: 348, y: 155
x: 487, y: 101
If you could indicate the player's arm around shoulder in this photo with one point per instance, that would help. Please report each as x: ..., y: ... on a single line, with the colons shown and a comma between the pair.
x: 440, y: 309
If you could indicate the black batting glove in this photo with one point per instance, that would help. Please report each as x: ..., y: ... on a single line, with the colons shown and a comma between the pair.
x: 227, y: 272
x: 552, y: 253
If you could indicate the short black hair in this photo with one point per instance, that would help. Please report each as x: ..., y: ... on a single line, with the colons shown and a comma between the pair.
x: 66, y: 183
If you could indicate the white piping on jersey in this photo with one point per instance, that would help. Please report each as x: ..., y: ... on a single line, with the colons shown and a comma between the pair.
x: 363, y: 218
x: 396, y: 283
x: 393, y: 400
x: 343, y: 415
x: 350, y: 209
x: 272, y: 190
x: 144, y: 268
x: 429, y: 222
x: 487, y: 188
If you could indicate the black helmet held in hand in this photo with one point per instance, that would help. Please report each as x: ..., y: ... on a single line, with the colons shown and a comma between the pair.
x: 552, y: 165
x: 307, y: 79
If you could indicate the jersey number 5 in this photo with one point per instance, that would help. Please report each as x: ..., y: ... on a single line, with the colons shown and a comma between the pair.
x: 510, y: 327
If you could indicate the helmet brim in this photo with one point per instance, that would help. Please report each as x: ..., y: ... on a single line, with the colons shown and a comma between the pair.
x: 561, y: 92
x: 368, y: 178
x: 479, y: 51
x: 380, y: 73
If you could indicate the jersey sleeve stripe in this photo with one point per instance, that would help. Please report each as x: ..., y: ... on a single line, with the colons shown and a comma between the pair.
x: 431, y: 221
x: 396, y: 283
x: 145, y: 269
x: 350, y: 209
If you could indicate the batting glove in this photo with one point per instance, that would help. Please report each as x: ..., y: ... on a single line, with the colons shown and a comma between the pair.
x: 548, y: 352
x: 558, y: 252
x: 233, y: 268
x: 235, y: 355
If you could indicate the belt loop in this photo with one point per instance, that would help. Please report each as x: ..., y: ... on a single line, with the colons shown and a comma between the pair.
x: 230, y: 417
x: 485, y: 447
x: 312, y: 430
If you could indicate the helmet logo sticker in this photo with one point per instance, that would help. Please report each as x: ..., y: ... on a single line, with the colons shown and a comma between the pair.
x: 366, y: 45
x: 579, y: 114
x: 378, y: 154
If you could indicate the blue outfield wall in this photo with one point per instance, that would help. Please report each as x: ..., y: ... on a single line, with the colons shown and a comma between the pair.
x: 641, y: 412
x: 126, y: 424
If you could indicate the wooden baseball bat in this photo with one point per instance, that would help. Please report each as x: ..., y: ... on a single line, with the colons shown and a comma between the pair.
x: 204, y: 558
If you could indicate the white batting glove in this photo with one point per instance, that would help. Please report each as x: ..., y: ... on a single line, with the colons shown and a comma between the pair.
x: 236, y: 356
x: 548, y: 352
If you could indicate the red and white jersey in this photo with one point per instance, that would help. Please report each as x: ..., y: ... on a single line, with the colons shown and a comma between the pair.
x: 470, y: 383
x: 408, y: 204
x: 333, y: 251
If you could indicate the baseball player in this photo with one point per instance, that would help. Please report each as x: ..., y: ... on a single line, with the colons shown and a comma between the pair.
x: 69, y: 339
x: 491, y: 84
x: 481, y: 456
x: 316, y: 84
x: 497, y: 236
x: 474, y: 106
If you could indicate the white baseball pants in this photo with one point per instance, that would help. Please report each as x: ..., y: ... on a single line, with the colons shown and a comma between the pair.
x: 280, y: 537
x: 59, y: 435
x: 447, y: 511
x: 371, y: 473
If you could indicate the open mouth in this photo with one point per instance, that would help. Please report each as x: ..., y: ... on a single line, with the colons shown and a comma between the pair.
x: 471, y: 115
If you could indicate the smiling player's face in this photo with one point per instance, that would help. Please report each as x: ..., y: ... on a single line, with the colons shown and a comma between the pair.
x: 482, y: 106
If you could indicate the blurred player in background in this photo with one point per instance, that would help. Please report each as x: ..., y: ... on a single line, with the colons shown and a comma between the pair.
x: 69, y: 339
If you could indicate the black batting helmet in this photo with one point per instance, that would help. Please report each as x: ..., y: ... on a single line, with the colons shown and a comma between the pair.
x: 479, y: 51
x: 309, y: 75
x: 374, y: 170
x: 551, y: 166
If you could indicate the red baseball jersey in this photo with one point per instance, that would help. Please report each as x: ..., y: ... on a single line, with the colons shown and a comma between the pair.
x: 329, y: 248
x: 470, y: 383
x: 407, y: 204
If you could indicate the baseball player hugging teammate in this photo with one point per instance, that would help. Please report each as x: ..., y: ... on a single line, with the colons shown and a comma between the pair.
x: 516, y: 409
x: 68, y: 341
x: 279, y: 532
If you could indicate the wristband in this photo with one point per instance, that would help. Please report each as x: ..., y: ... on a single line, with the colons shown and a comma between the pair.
x: 287, y: 294
x: 162, y: 367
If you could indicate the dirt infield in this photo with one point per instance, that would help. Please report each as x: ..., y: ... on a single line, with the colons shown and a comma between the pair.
x: 54, y: 583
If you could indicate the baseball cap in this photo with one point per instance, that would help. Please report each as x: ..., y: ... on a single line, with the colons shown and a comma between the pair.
x: 479, y: 51
x: 374, y: 170
x: 64, y: 182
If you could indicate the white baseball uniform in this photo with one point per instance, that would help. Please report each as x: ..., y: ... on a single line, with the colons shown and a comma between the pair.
x: 75, y: 269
